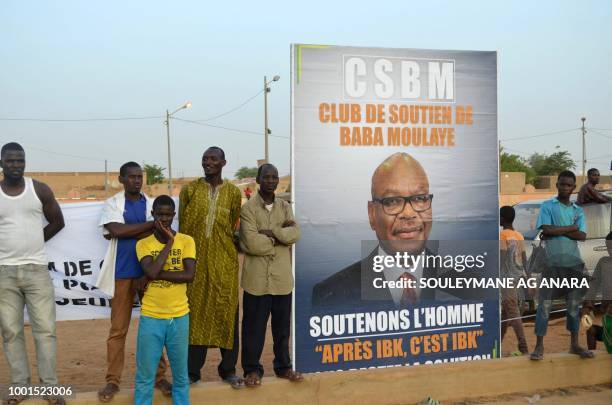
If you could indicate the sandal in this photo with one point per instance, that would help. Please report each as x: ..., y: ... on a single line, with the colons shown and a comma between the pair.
x: 582, y: 352
x: 234, y: 381
x: 55, y: 400
x: 165, y: 387
x: 293, y: 376
x: 15, y: 399
x: 538, y: 354
x: 252, y: 379
x: 107, y: 393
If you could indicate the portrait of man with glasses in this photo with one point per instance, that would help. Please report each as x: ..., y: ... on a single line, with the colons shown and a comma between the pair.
x: 400, y: 214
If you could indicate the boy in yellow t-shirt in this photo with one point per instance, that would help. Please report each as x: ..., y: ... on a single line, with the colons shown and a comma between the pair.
x: 168, y: 260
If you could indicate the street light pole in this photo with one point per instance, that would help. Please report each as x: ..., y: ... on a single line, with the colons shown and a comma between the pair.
x: 583, y: 151
x: 266, y: 90
x: 169, y: 154
x: 267, y: 131
x: 105, y: 178
x: 168, y: 116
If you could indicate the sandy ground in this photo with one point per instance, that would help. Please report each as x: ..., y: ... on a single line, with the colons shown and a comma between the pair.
x: 81, y: 356
x: 593, y: 395
x: 557, y: 340
x: 81, y: 352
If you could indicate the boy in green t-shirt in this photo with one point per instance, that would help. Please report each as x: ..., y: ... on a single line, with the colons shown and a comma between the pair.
x: 168, y: 260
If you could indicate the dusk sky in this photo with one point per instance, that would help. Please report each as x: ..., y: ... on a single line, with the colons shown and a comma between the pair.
x: 74, y: 60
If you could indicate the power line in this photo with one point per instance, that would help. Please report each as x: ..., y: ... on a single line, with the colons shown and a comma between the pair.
x: 600, y: 134
x: 540, y: 135
x: 89, y: 158
x: 602, y: 156
x: 231, y: 110
x: 150, y: 117
x: 68, y: 155
x: 133, y: 118
x: 515, y: 150
x: 594, y: 158
x: 244, y: 131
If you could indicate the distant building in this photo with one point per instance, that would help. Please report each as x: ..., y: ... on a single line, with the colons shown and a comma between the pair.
x: 79, y: 185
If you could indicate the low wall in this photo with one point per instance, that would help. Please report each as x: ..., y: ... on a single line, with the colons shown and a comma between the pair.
x: 512, y: 199
x: 444, y: 382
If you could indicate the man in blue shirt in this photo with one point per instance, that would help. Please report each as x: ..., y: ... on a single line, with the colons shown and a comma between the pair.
x: 125, y: 219
x: 562, y: 224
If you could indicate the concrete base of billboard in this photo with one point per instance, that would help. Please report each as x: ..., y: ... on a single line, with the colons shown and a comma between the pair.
x: 443, y: 382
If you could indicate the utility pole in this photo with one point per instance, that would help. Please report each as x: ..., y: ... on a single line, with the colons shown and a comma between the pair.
x: 267, y: 131
x: 105, y: 178
x: 583, y: 151
x: 266, y: 90
x: 168, y: 116
x: 169, y: 154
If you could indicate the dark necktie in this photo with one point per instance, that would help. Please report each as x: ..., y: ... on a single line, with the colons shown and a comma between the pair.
x: 409, y: 295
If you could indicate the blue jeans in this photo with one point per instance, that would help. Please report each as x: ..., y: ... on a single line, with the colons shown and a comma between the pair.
x: 573, y: 298
x: 153, y: 335
x: 28, y: 285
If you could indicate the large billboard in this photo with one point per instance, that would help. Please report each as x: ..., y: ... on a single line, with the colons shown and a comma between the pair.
x: 395, y: 183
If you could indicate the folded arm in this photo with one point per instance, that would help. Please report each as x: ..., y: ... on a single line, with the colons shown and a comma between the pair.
x: 138, y: 231
x: 288, y: 232
x: 570, y: 231
x: 596, y: 195
x: 252, y: 241
x: 183, y: 276
x: 152, y: 268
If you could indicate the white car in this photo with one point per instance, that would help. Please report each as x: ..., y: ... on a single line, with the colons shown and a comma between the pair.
x: 598, y: 223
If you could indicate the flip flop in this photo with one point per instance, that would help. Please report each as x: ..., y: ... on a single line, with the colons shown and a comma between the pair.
x: 583, y: 353
x: 234, y: 381
x: 55, y: 400
x: 107, y: 393
x: 536, y: 355
x: 165, y: 387
x: 252, y: 380
x: 15, y: 399
x: 293, y: 376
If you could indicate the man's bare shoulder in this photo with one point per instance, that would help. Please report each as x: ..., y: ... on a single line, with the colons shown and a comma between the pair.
x: 43, y: 191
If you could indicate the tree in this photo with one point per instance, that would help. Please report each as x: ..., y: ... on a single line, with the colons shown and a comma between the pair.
x: 550, y: 165
x: 537, y: 161
x: 154, y: 174
x: 559, y: 161
x: 245, y: 172
x: 514, y: 163
x: 538, y: 164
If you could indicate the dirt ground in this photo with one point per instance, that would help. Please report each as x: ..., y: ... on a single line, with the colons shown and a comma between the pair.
x: 81, y: 352
x: 81, y: 356
x: 593, y: 395
x: 556, y: 341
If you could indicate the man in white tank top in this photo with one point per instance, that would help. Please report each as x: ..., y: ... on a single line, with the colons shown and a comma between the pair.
x: 24, y: 277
